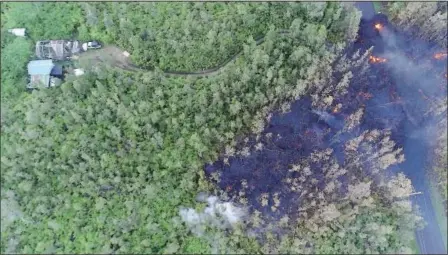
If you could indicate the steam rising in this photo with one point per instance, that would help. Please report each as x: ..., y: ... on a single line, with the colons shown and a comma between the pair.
x: 414, y: 69
x: 217, y: 214
x: 329, y: 119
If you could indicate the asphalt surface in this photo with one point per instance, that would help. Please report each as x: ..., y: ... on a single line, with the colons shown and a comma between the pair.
x: 215, y: 70
x: 430, y: 239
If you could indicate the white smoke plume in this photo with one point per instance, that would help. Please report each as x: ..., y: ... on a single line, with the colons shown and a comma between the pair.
x: 217, y: 214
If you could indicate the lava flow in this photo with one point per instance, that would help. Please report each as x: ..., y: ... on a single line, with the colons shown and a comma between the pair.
x: 378, y: 26
x: 336, y: 109
x: 440, y: 55
x: 373, y: 59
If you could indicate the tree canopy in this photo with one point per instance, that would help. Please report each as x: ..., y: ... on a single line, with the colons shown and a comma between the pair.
x: 104, y: 162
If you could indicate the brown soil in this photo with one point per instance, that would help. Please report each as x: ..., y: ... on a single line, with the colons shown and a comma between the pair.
x: 109, y: 55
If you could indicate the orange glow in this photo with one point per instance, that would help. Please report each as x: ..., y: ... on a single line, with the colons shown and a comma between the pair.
x: 335, y: 109
x: 440, y: 55
x: 378, y: 26
x: 373, y: 59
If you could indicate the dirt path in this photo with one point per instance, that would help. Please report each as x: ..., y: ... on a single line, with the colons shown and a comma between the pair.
x: 114, y: 56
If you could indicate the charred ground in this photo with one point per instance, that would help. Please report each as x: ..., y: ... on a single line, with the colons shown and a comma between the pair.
x: 391, y: 100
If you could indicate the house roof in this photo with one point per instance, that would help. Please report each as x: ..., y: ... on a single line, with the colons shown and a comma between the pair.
x: 57, y: 49
x: 40, y: 67
x: 39, y: 81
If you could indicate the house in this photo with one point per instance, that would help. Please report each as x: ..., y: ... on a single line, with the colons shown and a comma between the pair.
x: 43, y: 74
x: 63, y: 49
x: 57, y: 49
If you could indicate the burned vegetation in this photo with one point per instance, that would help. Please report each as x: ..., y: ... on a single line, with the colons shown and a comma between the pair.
x: 325, y: 159
x: 297, y: 120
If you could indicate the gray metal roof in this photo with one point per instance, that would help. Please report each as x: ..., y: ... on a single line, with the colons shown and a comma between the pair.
x: 57, y: 49
x: 39, y: 71
x: 40, y: 67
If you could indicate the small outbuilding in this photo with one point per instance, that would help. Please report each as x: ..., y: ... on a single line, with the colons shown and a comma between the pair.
x: 18, y: 31
x: 43, y: 74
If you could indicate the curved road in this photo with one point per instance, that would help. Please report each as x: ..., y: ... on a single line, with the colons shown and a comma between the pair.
x: 429, y: 239
x: 219, y: 67
x: 206, y: 72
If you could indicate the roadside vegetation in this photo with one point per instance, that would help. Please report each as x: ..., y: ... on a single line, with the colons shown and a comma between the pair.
x: 422, y: 19
x: 113, y: 161
x: 428, y: 20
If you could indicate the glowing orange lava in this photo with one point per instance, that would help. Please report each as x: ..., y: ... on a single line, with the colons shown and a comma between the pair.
x: 373, y: 59
x: 378, y: 26
x: 440, y: 55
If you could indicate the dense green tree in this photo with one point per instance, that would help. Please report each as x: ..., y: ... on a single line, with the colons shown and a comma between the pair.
x: 104, y: 162
x: 427, y: 20
x: 14, y: 57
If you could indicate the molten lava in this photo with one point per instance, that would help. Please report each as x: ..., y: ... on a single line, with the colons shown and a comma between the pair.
x: 373, y: 59
x: 378, y: 26
x: 440, y: 55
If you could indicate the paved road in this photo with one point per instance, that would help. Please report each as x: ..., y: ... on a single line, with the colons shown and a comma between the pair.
x: 215, y: 70
x: 367, y: 9
x: 429, y: 239
x: 198, y: 73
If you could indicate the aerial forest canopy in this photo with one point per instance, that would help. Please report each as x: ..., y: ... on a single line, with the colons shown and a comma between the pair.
x: 113, y: 161
x: 182, y: 36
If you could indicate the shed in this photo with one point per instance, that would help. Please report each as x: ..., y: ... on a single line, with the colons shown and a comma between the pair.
x: 17, y: 31
x: 40, y: 72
